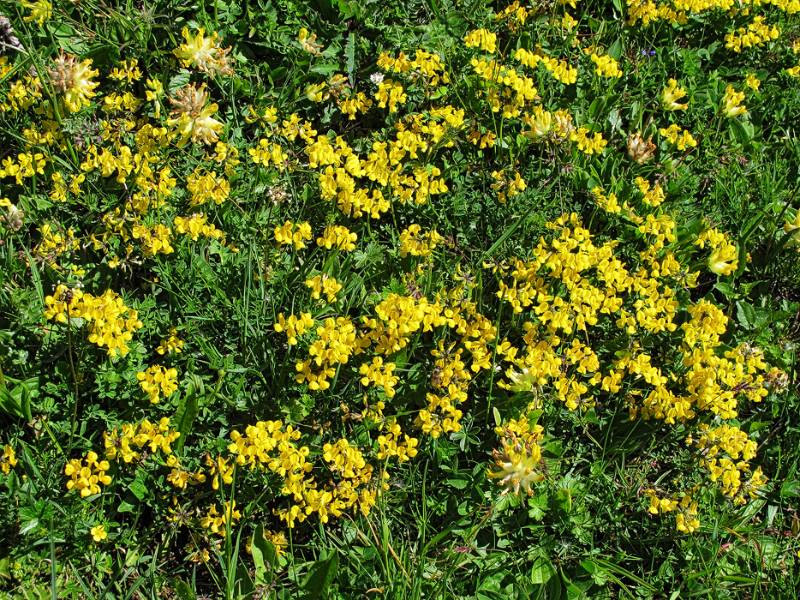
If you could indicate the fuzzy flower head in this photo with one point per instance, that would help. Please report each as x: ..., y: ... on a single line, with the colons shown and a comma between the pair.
x: 192, y: 116
x: 204, y: 53
x: 518, y: 462
x: 639, y: 149
x: 73, y: 79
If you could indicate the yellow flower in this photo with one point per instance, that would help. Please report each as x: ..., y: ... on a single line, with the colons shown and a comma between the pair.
x: 41, y: 11
x: 605, y: 66
x: 308, y: 41
x: 98, y: 533
x: 204, y: 53
x: 733, y: 106
x: 752, y: 81
x: 8, y: 460
x: 73, y: 79
x: 671, y: 94
x: 681, y: 138
x: 158, y: 382
x: 391, y: 94
x: 193, y: 117
x: 481, y: 38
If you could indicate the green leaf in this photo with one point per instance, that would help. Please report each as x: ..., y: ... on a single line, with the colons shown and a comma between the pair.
x: 16, y: 401
x: 262, y: 549
x: 542, y: 570
x: 138, y: 487
x: 182, y: 590
x: 178, y: 81
x: 320, y: 577
x: 350, y: 56
x: 742, y: 131
x: 745, y: 314
x: 187, y: 410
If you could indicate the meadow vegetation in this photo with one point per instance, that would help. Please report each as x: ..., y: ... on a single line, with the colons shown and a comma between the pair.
x: 408, y: 299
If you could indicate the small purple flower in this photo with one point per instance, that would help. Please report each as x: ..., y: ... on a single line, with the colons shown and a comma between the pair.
x: 648, y: 53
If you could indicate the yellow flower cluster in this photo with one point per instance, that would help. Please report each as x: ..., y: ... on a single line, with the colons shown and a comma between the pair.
x: 506, y: 186
x: 73, y: 80
x: 559, y: 69
x: 207, y: 187
x: 271, y: 445
x: 427, y: 65
x: 154, y: 239
x: 557, y: 125
x: 54, y: 243
x: 732, y: 103
x: 684, y: 505
x: 514, y: 15
x: 652, y: 195
x: 724, y: 257
x: 218, y: 522
x: 380, y: 374
x: 158, y: 382
x: 111, y: 323
x: 680, y: 138
x: 605, y: 66
x: 588, y: 144
x: 291, y: 234
x: 755, y: 34
x: 294, y: 326
x: 481, y: 38
x: 416, y: 243
x: 22, y: 94
x: 726, y: 452
x: 354, y: 104
x: 671, y: 96
x: 192, y: 116
x: 518, y: 462
x: 323, y: 284
x: 204, y: 53
x: 514, y: 91
x: 390, y: 94
x: 86, y: 475
x: 393, y: 443
x: 339, y: 237
x: 266, y: 153
x: 125, y: 442
x: 40, y: 11
x: 196, y: 226
x: 8, y: 460
x: 337, y: 341
x: 25, y: 166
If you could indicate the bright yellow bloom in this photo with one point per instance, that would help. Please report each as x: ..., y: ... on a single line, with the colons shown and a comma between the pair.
x: 158, y: 382
x: 671, y: 95
x: 733, y: 106
x: 481, y: 38
x: 41, y: 11
x: 8, y: 460
x: 98, y: 533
